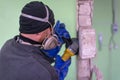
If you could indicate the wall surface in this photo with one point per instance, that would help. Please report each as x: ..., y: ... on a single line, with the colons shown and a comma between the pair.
x: 108, y: 61
x: 65, y: 11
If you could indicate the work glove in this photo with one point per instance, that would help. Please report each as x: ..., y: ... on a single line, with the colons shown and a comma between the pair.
x: 71, y: 50
x: 52, y: 53
x: 61, y: 67
x: 62, y: 33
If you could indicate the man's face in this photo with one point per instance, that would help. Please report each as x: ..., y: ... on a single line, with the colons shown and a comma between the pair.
x: 45, y: 34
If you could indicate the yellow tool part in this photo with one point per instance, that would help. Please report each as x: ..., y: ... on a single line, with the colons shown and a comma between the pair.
x: 67, y: 54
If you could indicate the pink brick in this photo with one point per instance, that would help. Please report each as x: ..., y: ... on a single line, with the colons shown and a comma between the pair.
x: 87, y: 42
x: 84, y: 21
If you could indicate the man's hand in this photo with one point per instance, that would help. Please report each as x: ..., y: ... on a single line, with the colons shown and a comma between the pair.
x: 62, y: 67
x: 61, y: 32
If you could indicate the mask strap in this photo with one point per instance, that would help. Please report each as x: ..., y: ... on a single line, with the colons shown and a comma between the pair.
x: 46, y: 19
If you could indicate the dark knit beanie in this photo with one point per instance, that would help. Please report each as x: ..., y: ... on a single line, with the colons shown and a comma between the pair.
x: 35, y: 9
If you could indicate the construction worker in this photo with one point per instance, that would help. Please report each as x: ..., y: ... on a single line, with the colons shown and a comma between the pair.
x: 28, y: 56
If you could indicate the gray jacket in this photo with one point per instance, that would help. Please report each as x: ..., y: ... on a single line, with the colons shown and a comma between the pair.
x: 23, y: 62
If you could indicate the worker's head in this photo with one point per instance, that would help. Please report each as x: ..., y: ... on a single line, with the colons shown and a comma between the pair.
x: 36, y: 21
x: 35, y: 17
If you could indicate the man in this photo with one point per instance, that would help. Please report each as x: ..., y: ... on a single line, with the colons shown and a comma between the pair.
x: 28, y: 56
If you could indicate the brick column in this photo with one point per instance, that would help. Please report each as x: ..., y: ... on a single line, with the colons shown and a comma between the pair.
x: 87, y: 39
